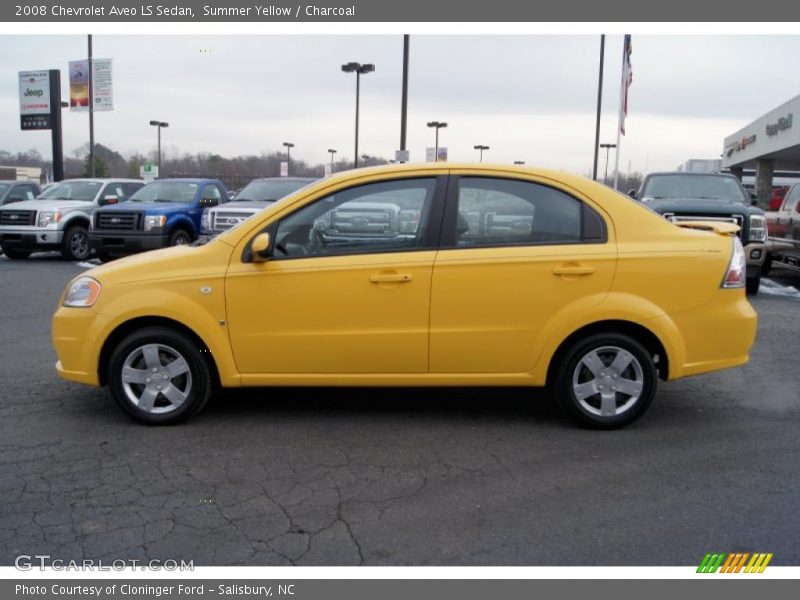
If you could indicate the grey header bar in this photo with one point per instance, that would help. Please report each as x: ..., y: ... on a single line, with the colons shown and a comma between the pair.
x: 731, y: 587
x: 258, y: 11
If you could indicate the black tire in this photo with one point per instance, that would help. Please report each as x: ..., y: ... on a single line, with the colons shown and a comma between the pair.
x: 103, y: 256
x: 767, y: 266
x: 639, y: 374
x: 180, y: 237
x: 752, y: 284
x: 195, y: 382
x: 75, y: 244
x: 16, y: 254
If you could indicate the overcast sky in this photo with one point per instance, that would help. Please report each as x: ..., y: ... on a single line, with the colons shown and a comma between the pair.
x: 529, y: 98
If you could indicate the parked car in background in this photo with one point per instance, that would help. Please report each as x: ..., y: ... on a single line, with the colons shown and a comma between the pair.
x: 59, y: 218
x: 783, y: 226
x: 571, y: 285
x: 166, y: 212
x: 681, y: 196
x: 18, y: 191
x: 252, y: 198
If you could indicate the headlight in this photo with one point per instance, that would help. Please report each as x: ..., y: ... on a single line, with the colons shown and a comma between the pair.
x: 154, y: 222
x: 205, y: 221
x: 82, y: 293
x: 47, y: 217
x: 758, y: 228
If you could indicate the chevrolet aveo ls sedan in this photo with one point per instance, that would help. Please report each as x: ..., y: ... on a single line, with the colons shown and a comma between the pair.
x: 436, y: 275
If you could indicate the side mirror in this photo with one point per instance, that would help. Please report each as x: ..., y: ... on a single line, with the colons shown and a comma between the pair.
x: 106, y: 200
x: 632, y: 193
x: 259, y: 248
x: 753, y: 202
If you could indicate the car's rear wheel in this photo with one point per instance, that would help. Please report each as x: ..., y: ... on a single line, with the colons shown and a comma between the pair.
x: 606, y: 380
x: 75, y: 245
x: 16, y: 254
x: 159, y: 376
x: 103, y: 256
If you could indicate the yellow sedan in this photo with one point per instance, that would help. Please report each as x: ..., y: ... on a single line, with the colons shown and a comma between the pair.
x: 419, y: 275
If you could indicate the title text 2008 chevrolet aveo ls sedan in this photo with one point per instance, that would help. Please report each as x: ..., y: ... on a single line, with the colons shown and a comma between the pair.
x: 437, y: 275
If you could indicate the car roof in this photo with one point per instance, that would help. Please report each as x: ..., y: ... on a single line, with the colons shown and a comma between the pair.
x: 99, y: 180
x: 185, y: 179
x: 285, y: 179
x: 691, y: 173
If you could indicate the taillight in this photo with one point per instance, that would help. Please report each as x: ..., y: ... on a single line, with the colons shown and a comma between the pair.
x: 737, y: 268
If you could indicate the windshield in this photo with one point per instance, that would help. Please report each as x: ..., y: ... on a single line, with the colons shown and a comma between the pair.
x: 709, y: 187
x: 72, y: 190
x: 166, y: 191
x: 270, y: 189
x: 3, y: 188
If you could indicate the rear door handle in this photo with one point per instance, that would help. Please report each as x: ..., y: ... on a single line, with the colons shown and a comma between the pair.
x: 573, y: 270
x: 393, y: 278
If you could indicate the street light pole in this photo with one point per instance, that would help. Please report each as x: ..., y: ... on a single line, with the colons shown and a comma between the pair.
x: 359, y: 70
x: 607, y: 147
x: 332, y: 151
x: 289, y: 147
x: 366, y: 158
x: 436, y: 125
x: 481, y: 147
x: 159, y: 125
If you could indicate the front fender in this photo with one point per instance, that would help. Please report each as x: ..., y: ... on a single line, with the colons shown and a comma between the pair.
x: 202, y: 312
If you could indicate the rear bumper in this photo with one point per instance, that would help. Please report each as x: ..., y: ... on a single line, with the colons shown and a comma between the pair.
x: 126, y: 242
x: 715, y: 336
x: 31, y: 240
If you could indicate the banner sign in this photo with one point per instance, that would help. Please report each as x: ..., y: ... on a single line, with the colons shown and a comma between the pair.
x: 34, y: 99
x: 430, y: 153
x: 284, y: 168
x: 78, y: 85
x: 102, y: 89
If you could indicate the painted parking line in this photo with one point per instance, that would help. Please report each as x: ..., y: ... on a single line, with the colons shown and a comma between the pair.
x: 773, y: 288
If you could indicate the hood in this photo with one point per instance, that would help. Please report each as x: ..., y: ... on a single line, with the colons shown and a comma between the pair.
x: 175, y: 263
x: 698, y: 205
x: 255, y: 205
x: 60, y: 205
x: 162, y: 208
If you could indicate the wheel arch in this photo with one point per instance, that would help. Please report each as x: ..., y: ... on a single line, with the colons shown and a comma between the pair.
x: 641, y: 334
x: 134, y: 324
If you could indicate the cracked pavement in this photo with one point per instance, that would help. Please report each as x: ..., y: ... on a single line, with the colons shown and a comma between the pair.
x: 393, y: 477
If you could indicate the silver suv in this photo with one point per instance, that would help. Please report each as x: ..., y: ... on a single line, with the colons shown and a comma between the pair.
x: 255, y: 196
x: 58, y: 219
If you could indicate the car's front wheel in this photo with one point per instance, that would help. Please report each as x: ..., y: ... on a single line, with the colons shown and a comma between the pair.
x: 159, y: 376
x: 606, y: 380
x: 753, y: 283
x: 75, y: 245
x: 180, y: 237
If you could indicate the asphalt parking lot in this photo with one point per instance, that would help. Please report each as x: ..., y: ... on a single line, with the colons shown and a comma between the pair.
x: 400, y: 477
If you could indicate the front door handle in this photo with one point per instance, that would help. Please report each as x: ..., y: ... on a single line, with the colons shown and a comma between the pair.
x: 392, y: 278
x: 576, y: 270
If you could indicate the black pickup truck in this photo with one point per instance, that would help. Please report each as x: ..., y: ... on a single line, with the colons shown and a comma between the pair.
x: 687, y: 196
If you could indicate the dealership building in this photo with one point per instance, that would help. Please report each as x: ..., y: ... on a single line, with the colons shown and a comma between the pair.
x: 768, y: 144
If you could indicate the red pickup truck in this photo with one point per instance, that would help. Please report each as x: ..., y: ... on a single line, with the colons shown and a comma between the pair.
x: 783, y: 230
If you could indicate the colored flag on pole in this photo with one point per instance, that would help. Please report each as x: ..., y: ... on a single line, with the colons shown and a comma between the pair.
x: 627, y: 79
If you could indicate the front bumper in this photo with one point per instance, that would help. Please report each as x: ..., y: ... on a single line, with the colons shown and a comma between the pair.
x: 755, y: 253
x: 126, y: 242
x: 31, y: 240
x: 75, y: 332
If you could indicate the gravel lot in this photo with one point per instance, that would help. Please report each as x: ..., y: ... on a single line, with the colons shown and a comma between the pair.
x: 400, y: 477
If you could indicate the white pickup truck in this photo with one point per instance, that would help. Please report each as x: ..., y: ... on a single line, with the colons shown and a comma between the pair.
x: 58, y: 219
